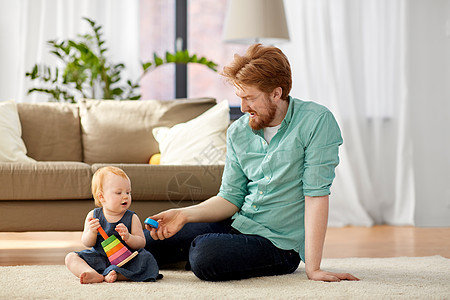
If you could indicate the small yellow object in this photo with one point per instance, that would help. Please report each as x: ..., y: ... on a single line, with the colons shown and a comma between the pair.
x: 155, y: 159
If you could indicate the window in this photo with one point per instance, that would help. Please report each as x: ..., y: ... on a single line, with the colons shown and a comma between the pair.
x: 157, y: 34
x: 205, y: 20
x: 205, y: 23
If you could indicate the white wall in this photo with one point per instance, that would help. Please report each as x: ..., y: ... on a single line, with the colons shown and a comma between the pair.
x: 429, y: 93
x: 9, y: 43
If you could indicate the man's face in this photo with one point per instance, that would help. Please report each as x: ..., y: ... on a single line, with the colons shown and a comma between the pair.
x: 258, y: 104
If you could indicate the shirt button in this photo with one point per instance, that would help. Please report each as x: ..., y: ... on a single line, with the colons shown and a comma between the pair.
x: 267, y: 177
x: 254, y: 206
x: 260, y: 192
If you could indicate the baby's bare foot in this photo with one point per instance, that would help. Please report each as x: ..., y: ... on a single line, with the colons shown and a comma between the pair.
x: 90, y: 277
x: 111, y: 277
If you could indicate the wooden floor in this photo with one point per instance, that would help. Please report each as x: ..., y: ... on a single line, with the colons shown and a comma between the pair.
x: 50, y: 248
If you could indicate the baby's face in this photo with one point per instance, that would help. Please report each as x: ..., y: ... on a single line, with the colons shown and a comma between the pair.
x: 116, y: 193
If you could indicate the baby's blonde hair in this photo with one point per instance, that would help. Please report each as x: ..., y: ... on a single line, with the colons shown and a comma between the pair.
x: 99, y: 176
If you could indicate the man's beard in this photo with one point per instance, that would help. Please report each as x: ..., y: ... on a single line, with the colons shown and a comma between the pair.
x: 262, y: 121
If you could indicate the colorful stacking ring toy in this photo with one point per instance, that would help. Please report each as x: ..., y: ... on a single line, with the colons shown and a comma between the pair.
x: 118, y: 254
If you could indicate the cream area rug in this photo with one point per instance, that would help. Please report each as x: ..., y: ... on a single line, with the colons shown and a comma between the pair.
x: 381, y: 278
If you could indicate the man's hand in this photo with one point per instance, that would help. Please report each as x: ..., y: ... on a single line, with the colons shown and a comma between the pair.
x: 316, y: 219
x: 170, y: 222
x: 214, y: 209
x: 320, y: 275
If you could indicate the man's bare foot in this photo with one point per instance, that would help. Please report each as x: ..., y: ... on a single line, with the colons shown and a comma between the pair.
x: 90, y: 277
x: 111, y: 277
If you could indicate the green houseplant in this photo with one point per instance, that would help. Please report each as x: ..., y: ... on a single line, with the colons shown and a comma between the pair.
x: 87, y: 72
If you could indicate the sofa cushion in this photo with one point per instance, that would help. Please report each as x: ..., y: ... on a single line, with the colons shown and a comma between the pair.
x: 51, y: 131
x: 173, y: 183
x: 12, y: 147
x: 45, y: 181
x: 200, y: 141
x: 121, y: 131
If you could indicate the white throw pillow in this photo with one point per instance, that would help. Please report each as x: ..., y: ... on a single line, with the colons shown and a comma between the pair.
x: 12, y: 148
x: 200, y: 141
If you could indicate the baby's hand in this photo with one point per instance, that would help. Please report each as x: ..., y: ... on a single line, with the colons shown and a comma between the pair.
x: 93, y: 225
x: 123, y: 231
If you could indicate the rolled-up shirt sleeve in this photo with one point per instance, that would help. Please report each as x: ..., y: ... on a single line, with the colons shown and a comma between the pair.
x: 234, y: 181
x: 321, y: 155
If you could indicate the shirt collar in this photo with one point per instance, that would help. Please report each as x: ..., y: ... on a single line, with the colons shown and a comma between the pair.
x: 285, y: 122
x: 290, y: 110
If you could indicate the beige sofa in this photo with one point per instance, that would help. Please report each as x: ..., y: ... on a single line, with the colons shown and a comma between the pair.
x: 71, y: 141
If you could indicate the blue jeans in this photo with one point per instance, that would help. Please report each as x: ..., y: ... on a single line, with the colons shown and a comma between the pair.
x: 217, y: 252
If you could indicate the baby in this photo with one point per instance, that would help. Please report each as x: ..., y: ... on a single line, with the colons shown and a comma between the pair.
x: 111, y: 189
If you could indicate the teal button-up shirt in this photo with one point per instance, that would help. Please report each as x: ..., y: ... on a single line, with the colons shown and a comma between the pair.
x: 269, y: 182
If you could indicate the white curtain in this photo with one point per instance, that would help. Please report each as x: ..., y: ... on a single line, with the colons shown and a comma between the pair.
x: 349, y: 55
x: 27, y: 25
